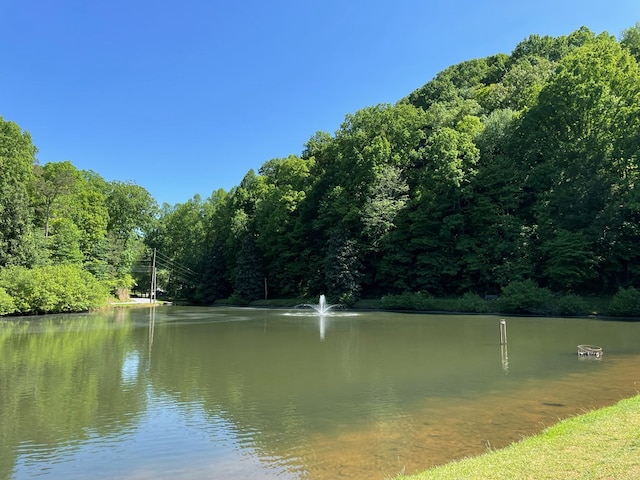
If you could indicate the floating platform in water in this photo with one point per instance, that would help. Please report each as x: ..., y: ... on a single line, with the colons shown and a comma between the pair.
x: 589, y: 351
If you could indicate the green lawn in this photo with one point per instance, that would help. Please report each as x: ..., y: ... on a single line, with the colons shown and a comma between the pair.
x: 602, y: 444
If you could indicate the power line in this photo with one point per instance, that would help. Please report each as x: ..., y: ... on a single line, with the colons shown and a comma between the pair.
x: 178, y: 270
x: 161, y: 258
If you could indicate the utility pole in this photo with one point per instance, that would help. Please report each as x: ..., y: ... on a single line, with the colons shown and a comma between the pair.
x: 152, y: 293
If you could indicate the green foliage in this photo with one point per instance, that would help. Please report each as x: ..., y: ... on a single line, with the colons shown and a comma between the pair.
x: 7, y: 304
x: 131, y: 209
x: 471, y: 302
x: 285, y: 182
x: 120, y: 287
x: 625, y: 303
x: 570, y: 262
x: 214, y: 285
x: 180, y: 237
x: 70, y: 225
x: 520, y: 86
x: 526, y: 297
x: 631, y: 40
x: 17, y: 157
x: 408, y: 301
x: 572, y: 305
x: 131, y: 214
x: 53, y: 186
x: 459, y: 81
x: 234, y: 299
x: 64, y: 242
x: 22, y: 286
x: 452, y: 156
x: 387, y: 198
x: 91, y: 216
x: 52, y: 289
x: 249, y: 284
x: 342, y: 268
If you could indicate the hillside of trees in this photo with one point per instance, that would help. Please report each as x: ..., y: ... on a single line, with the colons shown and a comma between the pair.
x: 515, y: 169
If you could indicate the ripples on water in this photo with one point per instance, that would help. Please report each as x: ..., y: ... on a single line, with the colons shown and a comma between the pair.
x: 170, y: 441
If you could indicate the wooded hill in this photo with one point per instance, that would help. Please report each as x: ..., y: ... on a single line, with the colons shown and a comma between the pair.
x: 499, y: 170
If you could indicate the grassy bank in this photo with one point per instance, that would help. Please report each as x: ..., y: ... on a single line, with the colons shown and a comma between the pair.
x: 602, y: 444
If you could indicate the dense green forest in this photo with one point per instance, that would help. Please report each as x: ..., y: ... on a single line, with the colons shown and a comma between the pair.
x: 68, y: 238
x: 506, y: 174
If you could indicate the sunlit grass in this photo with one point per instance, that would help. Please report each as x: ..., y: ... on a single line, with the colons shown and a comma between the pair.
x: 602, y: 444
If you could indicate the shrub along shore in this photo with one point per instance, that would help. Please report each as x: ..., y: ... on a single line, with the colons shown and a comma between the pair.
x: 517, y: 298
x: 601, y: 444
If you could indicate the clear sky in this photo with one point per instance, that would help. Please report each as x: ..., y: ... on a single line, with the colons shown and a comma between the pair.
x: 184, y: 97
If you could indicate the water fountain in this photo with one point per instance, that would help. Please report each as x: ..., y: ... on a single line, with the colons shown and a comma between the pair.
x: 322, y: 307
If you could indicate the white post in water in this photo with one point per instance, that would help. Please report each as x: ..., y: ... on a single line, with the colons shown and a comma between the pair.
x: 503, y: 345
x: 503, y: 332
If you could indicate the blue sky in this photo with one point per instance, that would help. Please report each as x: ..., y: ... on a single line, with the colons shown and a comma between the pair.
x: 185, y: 97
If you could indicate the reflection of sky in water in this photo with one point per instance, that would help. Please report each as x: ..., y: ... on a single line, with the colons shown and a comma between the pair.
x: 130, y: 367
x: 206, y: 446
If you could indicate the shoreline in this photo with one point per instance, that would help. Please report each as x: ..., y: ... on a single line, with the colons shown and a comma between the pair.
x: 601, y: 444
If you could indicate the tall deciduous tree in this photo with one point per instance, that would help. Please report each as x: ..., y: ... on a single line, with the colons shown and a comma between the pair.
x: 53, y: 181
x: 132, y: 212
x: 17, y: 158
x: 131, y: 209
x: 277, y: 215
x: 343, y: 268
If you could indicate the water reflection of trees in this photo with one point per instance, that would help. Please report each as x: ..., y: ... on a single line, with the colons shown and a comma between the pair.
x: 61, y: 382
x: 281, y: 386
x: 271, y: 379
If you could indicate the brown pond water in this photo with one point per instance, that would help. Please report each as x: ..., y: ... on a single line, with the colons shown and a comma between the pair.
x: 187, y: 392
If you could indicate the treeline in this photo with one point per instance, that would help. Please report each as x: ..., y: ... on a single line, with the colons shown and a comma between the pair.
x: 68, y: 238
x: 502, y: 173
x: 510, y: 168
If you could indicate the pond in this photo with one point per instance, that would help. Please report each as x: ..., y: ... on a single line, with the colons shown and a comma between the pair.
x: 229, y: 393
